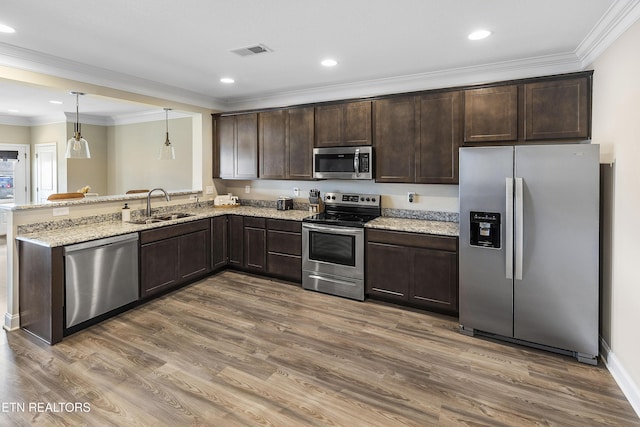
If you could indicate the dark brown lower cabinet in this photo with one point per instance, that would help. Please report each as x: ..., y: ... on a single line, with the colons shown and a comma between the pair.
x: 417, y: 269
x: 236, y: 241
x: 219, y: 242
x: 255, y: 244
x: 284, y: 249
x: 41, y: 290
x: 172, y: 255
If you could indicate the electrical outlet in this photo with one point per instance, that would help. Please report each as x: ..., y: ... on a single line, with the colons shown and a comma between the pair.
x: 193, y: 197
x: 296, y: 191
x: 209, y: 189
x: 411, y: 197
x: 247, y: 189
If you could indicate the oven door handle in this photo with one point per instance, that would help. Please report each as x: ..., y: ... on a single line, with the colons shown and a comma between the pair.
x: 341, y: 230
x: 356, y: 162
x: 332, y: 280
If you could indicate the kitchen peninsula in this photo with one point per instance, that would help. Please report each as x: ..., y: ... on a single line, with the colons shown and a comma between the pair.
x: 205, y: 241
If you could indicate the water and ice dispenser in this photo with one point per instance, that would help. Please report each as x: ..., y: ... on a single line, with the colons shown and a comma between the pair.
x: 485, y: 229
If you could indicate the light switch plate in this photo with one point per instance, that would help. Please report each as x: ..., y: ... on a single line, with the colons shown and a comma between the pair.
x: 60, y: 211
x: 209, y: 189
x: 247, y: 189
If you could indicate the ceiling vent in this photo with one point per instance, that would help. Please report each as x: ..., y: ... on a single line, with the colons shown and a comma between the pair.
x: 251, y: 50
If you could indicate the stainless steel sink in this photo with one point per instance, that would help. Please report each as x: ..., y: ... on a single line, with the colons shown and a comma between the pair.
x: 161, y: 218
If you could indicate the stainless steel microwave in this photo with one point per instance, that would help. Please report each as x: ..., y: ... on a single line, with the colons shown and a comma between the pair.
x: 343, y: 163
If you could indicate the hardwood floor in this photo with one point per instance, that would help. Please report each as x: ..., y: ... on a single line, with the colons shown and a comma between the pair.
x: 241, y: 350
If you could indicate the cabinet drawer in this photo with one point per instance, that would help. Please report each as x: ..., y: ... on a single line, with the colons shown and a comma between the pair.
x: 284, y: 242
x: 173, y: 230
x: 416, y: 240
x: 284, y: 225
x: 250, y: 221
x: 288, y: 266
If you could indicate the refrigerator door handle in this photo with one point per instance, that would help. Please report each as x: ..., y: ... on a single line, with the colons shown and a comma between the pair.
x: 519, y: 228
x: 508, y: 244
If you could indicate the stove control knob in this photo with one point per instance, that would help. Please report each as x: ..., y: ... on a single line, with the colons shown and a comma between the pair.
x: 368, y: 199
x: 328, y: 197
x: 333, y: 197
x: 373, y: 199
x: 362, y: 199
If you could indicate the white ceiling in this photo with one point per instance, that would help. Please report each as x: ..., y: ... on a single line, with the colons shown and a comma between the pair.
x: 179, y: 50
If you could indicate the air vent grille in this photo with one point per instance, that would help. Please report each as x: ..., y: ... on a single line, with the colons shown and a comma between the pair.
x: 251, y: 50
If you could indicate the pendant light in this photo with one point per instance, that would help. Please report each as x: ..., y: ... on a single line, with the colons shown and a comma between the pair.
x: 166, y: 151
x: 77, y: 146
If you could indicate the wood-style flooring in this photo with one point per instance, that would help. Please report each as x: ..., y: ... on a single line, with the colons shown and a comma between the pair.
x: 239, y: 350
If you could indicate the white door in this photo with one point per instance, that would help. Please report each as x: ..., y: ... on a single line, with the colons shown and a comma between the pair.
x: 46, y: 171
x: 14, y: 177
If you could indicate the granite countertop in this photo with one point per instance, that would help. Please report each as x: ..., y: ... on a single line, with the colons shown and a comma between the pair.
x: 102, y: 229
x: 441, y: 228
x: 83, y: 233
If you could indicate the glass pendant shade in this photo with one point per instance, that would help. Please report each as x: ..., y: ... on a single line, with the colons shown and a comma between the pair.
x: 77, y: 146
x: 166, y: 151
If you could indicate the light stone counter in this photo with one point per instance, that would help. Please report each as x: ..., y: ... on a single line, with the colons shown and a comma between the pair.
x: 59, y: 233
x: 63, y: 236
x: 441, y: 228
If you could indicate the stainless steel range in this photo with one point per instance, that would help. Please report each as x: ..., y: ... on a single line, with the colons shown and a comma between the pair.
x: 333, y: 244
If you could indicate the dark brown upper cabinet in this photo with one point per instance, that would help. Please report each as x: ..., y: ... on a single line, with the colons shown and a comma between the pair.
x: 417, y: 138
x: 440, y: 138
x: 558, y: 109
x: 236, y: 139
x: 395, y: 135
x: 286, y: 143
x: 491, y: 114
x: 343, y: 124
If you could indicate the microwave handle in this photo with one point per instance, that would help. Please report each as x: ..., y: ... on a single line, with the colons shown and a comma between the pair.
x: 356, y: 162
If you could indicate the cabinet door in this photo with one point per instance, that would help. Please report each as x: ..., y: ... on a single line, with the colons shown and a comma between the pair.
x: 440, y: 131
x: 159, y: 266
x: 357, y: 123
x: 395, y: 139
x: 435, y: 279
x: 300, y: 143
x: 557, y: 109
x: 219, y: 242
x: 328, y: 125
x: 194, y: 254
x: 246, y: 153
x: 255, y: 249
x: 225, y: 142
x: 491, y: 114
x: 388, y: 271
x: 236, y: 239
x: 272, y: 143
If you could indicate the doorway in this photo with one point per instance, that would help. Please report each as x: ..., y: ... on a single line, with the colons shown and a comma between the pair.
x: 14, y: 178
x: 46, y: 171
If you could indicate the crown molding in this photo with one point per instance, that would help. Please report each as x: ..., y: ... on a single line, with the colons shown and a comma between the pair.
x: 30, y: 60
x: 616, y: 20
x: 505, y: 70
x: 6, y: 119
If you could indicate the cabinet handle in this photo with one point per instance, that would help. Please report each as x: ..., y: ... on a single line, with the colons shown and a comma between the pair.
x: 519, y: 240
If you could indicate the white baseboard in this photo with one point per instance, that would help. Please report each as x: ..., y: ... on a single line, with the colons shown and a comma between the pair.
x: 11, y: 322
x: 620, y: 375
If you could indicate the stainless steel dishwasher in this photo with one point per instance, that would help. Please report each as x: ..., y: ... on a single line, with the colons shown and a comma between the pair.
x: 100, y: 275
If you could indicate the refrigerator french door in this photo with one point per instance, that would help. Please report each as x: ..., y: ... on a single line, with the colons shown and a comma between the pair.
x: 529, y: 245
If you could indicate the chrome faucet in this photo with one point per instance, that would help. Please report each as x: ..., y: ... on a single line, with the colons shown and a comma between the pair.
x: 166, y: 196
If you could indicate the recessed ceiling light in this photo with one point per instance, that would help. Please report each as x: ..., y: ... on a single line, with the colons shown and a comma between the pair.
x: 6, y: 29
x: 479, y: 35
x: 329, y: 63
x: 13, y: 111
x: 227, y: 80
x: 55, y: 102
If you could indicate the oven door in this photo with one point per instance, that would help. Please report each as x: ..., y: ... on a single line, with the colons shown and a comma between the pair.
x: 333, y: 260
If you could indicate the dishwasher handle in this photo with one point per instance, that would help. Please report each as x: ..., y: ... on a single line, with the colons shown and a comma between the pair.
x: 125, y: 238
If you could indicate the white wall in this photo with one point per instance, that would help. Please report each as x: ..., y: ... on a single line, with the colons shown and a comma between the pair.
x: 443, y: 198
x: 616, y: 127
x: 93, y: 171
x: 133, y: 151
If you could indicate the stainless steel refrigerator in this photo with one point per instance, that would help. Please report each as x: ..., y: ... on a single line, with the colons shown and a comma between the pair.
x: 529, y: 228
